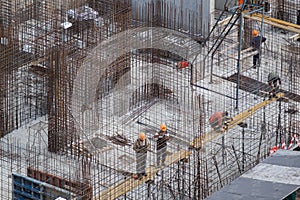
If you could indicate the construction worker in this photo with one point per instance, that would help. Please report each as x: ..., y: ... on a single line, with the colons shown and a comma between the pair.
x: 141, y: 146
x: 255, y: 43
x: 161, y: 148
x: 274, y: 82
x: 240, y: 4
x: 217, y: 120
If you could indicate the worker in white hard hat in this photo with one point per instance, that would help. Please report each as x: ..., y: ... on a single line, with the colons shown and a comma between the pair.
x: 141, y: 147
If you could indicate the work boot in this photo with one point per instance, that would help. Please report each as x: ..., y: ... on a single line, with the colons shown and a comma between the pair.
x: 254, y: 66
x: 144, y: 174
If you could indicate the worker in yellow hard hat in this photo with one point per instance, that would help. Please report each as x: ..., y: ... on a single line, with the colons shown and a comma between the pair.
x: 256, y: 43
x: 141, y: 147
x: 161, y: 138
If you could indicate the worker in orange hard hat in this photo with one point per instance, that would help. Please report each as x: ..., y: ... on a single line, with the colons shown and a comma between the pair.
x: 141, y: 146
x: 218, y: 119
x: 161, y: 138
x: 240, y: 4
x: 255, y: 33
x: 256, y: 43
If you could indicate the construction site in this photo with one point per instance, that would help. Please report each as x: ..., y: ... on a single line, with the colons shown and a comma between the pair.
x: 81, y: 79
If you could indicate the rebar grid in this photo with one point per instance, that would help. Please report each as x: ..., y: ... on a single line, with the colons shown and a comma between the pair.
x: 100, y: 72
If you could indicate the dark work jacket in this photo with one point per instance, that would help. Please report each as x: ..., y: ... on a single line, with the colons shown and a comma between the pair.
x: 255, y: 43
x: 161, y: 140
x: 140, y: 146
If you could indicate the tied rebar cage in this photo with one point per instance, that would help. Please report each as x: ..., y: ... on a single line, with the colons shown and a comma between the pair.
x: 81, y: 80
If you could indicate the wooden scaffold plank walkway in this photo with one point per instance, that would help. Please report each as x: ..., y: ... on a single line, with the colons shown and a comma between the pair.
x: 239, y: 118
x: 129, y: 184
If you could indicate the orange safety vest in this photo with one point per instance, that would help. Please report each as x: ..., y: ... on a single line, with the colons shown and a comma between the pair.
x: 240, y: 2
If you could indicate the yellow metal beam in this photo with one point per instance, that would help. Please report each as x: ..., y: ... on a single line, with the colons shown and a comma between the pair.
x: 278, y: 21
x: 129, y: 184
x: 275, y: 22
x: 207, y: 137
x: 247, y: 113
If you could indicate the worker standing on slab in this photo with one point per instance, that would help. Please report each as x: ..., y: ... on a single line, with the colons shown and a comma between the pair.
x: 256, y: 43
x: 161, y: 147
x: 274, y: 82
x: 218, y: 119
x: 141, y: 147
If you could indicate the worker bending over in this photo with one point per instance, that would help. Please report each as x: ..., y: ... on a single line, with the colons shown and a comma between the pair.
x: 161, y: 148
x: 218, y: 119
x: 256, y: 43
x: 141, y: 146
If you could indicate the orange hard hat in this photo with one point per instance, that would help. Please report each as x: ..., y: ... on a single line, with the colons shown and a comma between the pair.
x: 255, y: 32
x: 142, y: 136
x: 163, y: 127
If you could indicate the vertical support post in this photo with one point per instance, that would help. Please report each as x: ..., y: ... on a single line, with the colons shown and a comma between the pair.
x: 211, y: 68
x: 218, y: 171
x: 162, y: 186
x: 278, y: 129
x: 223, y: 149
x: 243, y: 149
x: 259, y: 51
x: 237, y: 159
x: 238, y: 61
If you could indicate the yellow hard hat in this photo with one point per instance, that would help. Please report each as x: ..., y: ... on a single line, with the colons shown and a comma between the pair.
x: 255, y: 32
x: 163, y: 127
x: 142, y: 136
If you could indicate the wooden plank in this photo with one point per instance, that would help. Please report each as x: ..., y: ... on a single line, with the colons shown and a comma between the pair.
x: 295, y: 37
x: 129, y: 184
x: 254, y: 86
x: 271, y: 21
x: 247, y: 113
x: 211, y: 135
x: 244, y: 53
x: 279, y: 21
x: 226, y: 20
x: 249, y: 54
x: 228, y: 48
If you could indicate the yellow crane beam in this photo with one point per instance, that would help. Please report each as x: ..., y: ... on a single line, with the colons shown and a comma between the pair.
x: 207, y: 137
x: 129, y: 184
